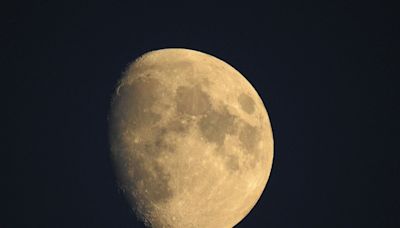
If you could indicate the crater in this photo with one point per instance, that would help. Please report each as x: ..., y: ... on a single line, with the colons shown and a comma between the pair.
x: 215, y: 125
x: 246, y: 103
x: 192, y: 100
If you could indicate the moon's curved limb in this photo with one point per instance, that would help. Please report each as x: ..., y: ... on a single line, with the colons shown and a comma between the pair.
x: 190, y: 139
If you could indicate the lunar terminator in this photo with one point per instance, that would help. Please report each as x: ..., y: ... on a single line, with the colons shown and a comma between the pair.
x: 191, y: 140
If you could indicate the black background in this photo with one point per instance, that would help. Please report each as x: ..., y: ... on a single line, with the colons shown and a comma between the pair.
x: 327, y: 72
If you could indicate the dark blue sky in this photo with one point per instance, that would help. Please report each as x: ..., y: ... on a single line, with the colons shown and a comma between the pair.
x: 326, y: 72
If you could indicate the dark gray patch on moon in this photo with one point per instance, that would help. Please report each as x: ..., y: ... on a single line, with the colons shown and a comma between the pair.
x: 232, y: 162
x: 246, y: 103
x: 155, y: 183
x: 135, y: 102
x: 249, y: 136
x: 192, y: 100
x: 179, y: 125
x: 146, y: 181
x: 161, y: 144
x: 151, y: 181
x: 175, y: 128
x: 215, y: 125
x: 151, y: 148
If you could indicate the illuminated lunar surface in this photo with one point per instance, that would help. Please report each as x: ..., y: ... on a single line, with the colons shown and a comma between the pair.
x: 191, y: 140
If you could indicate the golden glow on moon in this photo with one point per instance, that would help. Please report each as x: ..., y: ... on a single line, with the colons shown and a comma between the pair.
x: 191, y: 140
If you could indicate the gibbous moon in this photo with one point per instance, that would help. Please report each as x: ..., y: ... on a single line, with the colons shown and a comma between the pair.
x: 191, y: 140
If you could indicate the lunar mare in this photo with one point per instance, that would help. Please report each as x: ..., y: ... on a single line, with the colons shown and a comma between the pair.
x: 191, y: 140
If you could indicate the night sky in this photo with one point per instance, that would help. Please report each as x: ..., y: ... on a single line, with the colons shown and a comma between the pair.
x: 327, y: 73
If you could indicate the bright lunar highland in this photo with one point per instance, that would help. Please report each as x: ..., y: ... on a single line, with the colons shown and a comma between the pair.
x: 191, y: 140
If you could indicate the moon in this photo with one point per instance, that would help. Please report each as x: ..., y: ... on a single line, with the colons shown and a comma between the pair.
x: 191, y: 140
